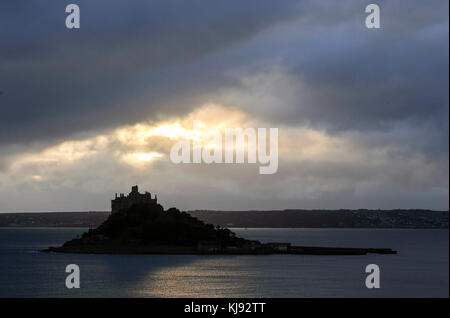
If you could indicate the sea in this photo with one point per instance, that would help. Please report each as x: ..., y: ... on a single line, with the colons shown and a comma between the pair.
x: 420, y: 269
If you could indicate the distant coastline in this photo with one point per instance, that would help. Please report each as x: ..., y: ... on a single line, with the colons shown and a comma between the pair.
x: 408, y: 219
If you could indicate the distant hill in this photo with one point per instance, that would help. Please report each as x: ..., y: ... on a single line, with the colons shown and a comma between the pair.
x: 268, y: 219
x: 53, y: 219
x: 327, y: 218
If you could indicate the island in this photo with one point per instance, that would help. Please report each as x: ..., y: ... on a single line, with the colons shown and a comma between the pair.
x: 139, y: 225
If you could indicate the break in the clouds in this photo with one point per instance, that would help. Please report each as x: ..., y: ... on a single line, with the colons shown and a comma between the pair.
x: 362, y: 114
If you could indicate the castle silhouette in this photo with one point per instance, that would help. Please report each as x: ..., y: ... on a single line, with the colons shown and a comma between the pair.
x: 122, y: 202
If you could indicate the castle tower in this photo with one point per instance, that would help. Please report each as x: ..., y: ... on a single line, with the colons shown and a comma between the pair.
x: 122, y: 203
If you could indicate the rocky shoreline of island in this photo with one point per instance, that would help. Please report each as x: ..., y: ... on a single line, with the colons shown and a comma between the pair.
x: 182, y: 250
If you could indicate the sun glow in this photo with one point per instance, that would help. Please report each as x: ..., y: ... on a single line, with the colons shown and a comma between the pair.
x: 146, y: 156
x: 172, y: 131
x: 141, y: 144
x: 140, y: 160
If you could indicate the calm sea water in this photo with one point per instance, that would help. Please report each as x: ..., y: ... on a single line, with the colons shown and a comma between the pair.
x: 421, y: 269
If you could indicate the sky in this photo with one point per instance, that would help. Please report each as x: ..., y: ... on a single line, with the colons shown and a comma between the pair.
x: 362, y: 114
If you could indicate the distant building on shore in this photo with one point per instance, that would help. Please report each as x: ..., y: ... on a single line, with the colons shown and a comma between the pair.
x: 123, y: 202
x: 278, y: 246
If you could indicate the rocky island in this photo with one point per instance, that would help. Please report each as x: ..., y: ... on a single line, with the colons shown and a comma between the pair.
x: 139, y: 225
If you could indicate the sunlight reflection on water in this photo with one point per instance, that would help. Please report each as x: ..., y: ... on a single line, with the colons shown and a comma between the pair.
x: 420, y: 268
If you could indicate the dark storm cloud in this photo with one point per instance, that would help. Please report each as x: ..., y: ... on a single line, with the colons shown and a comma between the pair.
x: 377, y: 82
x: 349, y: 77
x: 376, y: 78
x: 133, y: 59
x: 343, y: 77
x: 58, y: 81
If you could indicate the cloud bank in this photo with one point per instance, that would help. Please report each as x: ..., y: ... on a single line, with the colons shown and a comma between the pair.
x: 362, y: 114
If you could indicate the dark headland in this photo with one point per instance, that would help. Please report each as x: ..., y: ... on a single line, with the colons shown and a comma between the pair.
x: 139, y: 225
